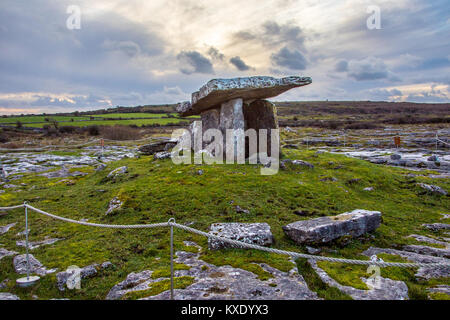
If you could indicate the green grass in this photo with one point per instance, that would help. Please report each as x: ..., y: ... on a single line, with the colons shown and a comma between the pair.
x: 121, y: 118
x: 154, y: 191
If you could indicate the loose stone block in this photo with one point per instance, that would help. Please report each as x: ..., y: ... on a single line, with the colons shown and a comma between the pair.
x: 326, y: 229
x: 253, y: 233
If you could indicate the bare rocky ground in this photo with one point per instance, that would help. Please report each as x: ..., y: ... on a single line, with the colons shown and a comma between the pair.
x: 225, y: 282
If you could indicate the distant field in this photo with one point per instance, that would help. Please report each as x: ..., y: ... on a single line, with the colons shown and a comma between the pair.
x: 138, y: 119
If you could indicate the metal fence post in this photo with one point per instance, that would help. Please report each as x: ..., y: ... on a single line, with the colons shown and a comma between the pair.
x: 26, y: 239
x: 171, y: 220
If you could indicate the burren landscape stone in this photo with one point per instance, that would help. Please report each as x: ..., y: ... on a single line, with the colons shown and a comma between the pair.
x: 326, y: 229
x: 252, y: 233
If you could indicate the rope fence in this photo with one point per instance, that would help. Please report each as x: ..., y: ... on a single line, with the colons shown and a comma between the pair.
x: 238, y: 244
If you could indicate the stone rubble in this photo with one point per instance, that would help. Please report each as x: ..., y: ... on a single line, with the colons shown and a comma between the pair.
x: 20, y: 265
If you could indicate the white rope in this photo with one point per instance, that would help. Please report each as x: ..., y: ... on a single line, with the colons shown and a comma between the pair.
x: 236, y: 243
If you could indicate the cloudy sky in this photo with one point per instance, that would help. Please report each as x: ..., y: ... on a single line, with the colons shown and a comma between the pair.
x: 136, y: 52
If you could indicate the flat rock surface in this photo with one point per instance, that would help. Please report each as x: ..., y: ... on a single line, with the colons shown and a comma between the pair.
x: 20, y: 265
x: 431, y: 251
x: 326, y: 229
x: 6, y: 253
x: 216, y: 91
x: 8, y: 296
x: 227, y: 283
x: 36, y: 244
x: 381, y: 289
x: 4, y: 229
x: 429, y: 240
x: 253, y: 233
x: 423, y: 272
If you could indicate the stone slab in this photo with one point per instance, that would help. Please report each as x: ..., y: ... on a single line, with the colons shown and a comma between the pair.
x: 253, y: 233
x: 217, y: 91
x: 326, y: 229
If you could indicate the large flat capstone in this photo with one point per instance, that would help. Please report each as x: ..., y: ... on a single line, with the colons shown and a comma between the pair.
x: 326, y: 229
x: 253, y: 233
x: 217, y: 91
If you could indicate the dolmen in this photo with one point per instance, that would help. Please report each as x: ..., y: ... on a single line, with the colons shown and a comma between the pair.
x: 238, y: 104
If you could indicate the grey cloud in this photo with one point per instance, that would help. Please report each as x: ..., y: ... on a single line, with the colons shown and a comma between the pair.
x: 292, y: 59
x: 370, y: 68
x: 194, y: 62
x: 341, y: 66
x: 215, y: 54
x: 239, y: 63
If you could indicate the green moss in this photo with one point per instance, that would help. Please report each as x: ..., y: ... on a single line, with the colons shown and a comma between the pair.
x: 160, y: 286
x: 316, y: 284
x: 155, y: 191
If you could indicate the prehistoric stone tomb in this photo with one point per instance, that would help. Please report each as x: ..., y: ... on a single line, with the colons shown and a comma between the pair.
x: 238, y: 104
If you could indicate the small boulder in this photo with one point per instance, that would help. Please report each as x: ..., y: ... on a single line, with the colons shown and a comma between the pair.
x: 240, y: 210
x: 117, y: 172
x: 114, y: 204
x: 20, y: 265
x: 368, y: 189
x: 396, y: 156
x: 433, y: 189
x: 162, y: 155
x: 8, y: 296
x: 433, y: 158
x: 6, y: 228
x: 326, y: 229
x: 84, y: 273
x: 253, y: 233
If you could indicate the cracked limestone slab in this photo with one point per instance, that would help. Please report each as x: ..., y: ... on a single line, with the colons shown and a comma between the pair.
x: 220, y: 283
x: 6, y: 228
x: 386, y: 289
x: 423, y: 272
x: 217, y: 91
x: 6, y: 253
x: 430, y: 240
x: 20, y: 265
x: 431, y: 251
x: 36, y: 244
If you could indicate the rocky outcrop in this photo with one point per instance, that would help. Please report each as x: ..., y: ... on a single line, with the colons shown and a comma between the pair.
x: 36, y: 244
x: 423, y: 272
x: 431, y: 251
x: 114, y: 204
x: 217, y: 91
x: 152, y: 148
x: 380, y: 289
x: 20, y: 265
x: 433, y: 189
x: 6, y: 228
x: 253, y: 233
x: 436, y: 226
x: 6, y: 253
x: 8, y: 296
x: 326, y: 229
x: 228, y: 283
x: 83, y: 273
x: 117, y: 172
